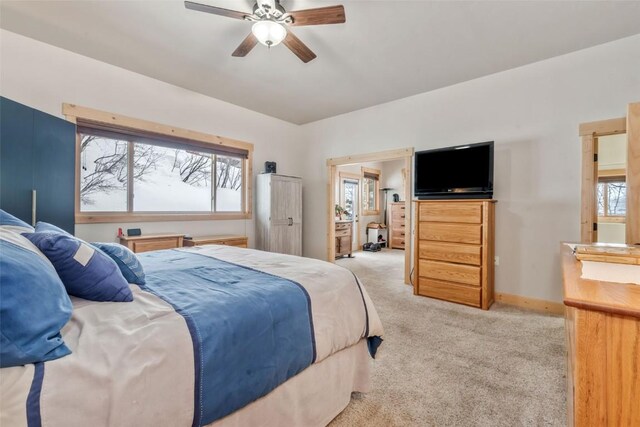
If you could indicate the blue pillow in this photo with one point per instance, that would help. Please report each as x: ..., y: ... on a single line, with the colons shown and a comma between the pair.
x: 45, y: 227
x: 10, y: 222
x: 126, y: 260
x: 34, y: 306
x: 85, y: 271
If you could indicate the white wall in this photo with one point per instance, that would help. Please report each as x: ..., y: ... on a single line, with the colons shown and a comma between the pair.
x: 533, y: 114
x: 43, y: 77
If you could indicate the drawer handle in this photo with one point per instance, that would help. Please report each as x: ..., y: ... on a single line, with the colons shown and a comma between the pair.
x: 402, y: 216
x: 402, y: 234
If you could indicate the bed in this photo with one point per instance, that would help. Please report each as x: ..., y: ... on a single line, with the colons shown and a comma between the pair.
x: 217, y: 336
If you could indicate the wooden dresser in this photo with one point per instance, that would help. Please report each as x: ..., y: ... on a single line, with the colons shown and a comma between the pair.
x: 227, y: 240
x: 396, y: 225
x: 454, y: 250
x: 603, y: 348
x: 152, y: 242
x: 344, y: 238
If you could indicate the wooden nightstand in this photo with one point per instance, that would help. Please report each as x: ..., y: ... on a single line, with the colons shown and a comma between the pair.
x: 151, y: 242
x: 227, y: 240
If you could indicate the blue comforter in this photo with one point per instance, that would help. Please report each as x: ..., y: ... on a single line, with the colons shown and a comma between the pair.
x: 251, y: 330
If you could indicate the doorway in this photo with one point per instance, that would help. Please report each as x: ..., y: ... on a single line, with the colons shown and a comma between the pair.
x: 350, y: 201
x: 610, y: 200
x: 372, y: 205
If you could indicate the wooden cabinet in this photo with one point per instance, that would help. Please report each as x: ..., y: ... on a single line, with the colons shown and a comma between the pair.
x: 396, y: 226
x: 152, y: 242
x: 226, y: 240
x: 602, y: 323
x: 344, y: 238
x: 279, y: 214
x: 37, y: 165
x: 454, y: 250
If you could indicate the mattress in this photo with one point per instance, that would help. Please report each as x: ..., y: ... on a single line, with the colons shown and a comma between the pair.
x: 201, y: 343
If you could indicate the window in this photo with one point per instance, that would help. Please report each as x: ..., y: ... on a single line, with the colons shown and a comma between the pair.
x: 129, y: 169
x: 370, y: 191
x: 612, y: 199
x: 350, y: 194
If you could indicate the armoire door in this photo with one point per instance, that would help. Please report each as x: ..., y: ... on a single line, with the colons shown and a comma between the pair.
x: 286, y: 215
x: 295, y: 213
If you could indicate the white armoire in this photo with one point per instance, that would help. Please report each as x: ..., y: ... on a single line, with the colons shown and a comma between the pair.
x: 279, y: 214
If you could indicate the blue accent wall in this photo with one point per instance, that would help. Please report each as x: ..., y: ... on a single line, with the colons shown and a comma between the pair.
x: 37, y: 152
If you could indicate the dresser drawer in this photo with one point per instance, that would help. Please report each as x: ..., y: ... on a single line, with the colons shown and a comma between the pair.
x: 343, y: 226
x: 397, y: 226
x: 343, y: 232
x: 458, y: 273
x: 398, y: 242
x: 154, y: 245
x: 397, y: 215
x: 450, y: 252
x: 455, y: 233
x: 450, y: 291
x: 470, y: 213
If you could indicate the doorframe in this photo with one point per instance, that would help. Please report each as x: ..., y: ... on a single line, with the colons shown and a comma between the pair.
x: 405, y: 154
x: 589, y: 134
x: 353, y: 177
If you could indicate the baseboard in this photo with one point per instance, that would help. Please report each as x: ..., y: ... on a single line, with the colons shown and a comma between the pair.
x: 531, y: 303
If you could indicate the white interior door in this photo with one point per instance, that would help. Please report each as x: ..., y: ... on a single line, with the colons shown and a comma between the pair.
x: 350, y: 193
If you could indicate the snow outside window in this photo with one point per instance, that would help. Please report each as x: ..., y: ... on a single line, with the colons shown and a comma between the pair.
x: 163, y: 179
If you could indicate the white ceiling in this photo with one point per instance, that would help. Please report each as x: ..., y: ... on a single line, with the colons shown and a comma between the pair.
x: 386, y: 50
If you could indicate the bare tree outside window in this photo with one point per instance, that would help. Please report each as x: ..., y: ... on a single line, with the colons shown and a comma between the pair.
x: 165, y: 179
x: 612, y: 198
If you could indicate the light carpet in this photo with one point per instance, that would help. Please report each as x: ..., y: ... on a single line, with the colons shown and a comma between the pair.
x: 444, y: 364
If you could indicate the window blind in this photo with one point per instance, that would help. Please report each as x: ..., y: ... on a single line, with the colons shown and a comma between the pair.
x: 143, y: 137
x: 371, y: 175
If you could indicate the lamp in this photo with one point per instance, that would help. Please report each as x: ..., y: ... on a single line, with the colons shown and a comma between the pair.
x: 269, y: 33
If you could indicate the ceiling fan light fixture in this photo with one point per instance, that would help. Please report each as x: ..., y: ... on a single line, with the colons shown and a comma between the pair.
x: 269, y: 33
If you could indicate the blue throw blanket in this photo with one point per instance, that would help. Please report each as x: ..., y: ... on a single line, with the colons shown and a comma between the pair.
x: 251, y: 330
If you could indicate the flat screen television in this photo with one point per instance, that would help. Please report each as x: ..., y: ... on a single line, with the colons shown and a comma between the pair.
x: 461, y: 172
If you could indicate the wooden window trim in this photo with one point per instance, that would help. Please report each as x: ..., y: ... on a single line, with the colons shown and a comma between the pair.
x: 612, y: 219
x: 75, y: 114
x: 606, y: 217
x: 613, y: 173
x: 376, y: 194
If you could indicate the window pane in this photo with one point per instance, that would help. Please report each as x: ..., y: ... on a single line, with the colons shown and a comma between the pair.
x: 103, y: 174
x: 350, y: 196
x: 601, y: 189
x: 228, y: 184
x: 617, y: 203
x: 369, y: 194
x: 170, y: 180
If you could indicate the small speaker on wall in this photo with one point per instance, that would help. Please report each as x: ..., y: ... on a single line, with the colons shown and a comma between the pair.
x: 269, y: 167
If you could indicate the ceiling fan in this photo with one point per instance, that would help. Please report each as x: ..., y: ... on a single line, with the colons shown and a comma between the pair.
x: 271, y: 21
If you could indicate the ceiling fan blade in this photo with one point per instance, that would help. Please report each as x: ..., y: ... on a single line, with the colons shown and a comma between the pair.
x: 215, y: 10
x: 245, y: 47
x: 319, y: 16
x: 296, y: 46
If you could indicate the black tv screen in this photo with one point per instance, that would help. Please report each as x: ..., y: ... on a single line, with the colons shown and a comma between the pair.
x: 464, y: 171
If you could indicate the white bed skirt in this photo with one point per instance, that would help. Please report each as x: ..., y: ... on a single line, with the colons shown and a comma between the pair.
x: 312, y: 398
